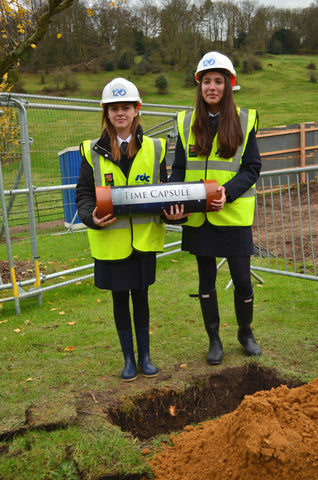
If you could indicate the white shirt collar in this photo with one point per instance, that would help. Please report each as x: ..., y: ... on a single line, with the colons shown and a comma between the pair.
x: 120, y: 140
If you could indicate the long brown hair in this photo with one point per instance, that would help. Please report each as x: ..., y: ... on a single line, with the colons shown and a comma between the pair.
x: 108, y: 128
x: 230, y: 134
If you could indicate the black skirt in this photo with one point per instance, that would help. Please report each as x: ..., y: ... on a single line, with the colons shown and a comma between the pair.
x: 136, y: 272
x: 211, y: 241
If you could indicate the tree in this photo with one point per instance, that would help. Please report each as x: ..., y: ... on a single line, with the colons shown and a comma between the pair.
x: 148, y: 15
x: 284, y: 41
x: 24, y: 24
x: 71, y: 38
x: 261, y: 30
x: 310, y: 27
x: 180, y: 35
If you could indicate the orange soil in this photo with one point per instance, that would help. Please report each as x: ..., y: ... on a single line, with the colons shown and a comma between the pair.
x: 271, y: 435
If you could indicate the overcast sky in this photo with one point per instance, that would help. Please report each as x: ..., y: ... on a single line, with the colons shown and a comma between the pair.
x: 274, y: 3
x: 286, y: 3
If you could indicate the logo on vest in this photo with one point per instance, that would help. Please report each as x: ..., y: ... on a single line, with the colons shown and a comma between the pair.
x: 119, y: 92
x: 109, y: 179
x: 192, y: 152
x: 142, y: 178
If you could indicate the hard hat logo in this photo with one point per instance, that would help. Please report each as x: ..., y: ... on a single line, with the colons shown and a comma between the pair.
x: 215, y: 60
x: 209, y: 62
x: 119, y: 92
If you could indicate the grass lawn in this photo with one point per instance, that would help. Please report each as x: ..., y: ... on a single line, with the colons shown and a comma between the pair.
x: 55, y: 354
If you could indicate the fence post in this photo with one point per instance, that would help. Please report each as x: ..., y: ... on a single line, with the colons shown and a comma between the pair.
x: 25, y: 145
x: 302, y: 151
x: 8, y: 244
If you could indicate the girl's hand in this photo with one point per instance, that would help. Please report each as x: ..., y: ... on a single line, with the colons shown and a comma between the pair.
x: 176, y: 212
x: 103, y: 222
x: 217, y: 205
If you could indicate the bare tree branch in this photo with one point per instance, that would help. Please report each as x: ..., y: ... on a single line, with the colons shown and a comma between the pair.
x: 52, y: 7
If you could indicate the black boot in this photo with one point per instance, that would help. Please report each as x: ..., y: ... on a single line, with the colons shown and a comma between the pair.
x: 147, y: 368
x: 126, y: 341
x: 244, y: 316
x: 210, y: 313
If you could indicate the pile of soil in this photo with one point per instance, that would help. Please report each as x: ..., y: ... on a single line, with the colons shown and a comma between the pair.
x: 271, y: 435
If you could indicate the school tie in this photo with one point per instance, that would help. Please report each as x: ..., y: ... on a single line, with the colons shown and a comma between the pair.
x: 214, y: 121
x: 124, y: 146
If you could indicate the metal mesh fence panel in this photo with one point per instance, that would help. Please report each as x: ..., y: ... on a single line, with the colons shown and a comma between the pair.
x: 41, y: 235
x: 44, y: 245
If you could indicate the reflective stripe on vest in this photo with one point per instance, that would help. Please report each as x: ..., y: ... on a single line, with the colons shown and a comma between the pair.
x: 237, y: 213
x: 144, y: 233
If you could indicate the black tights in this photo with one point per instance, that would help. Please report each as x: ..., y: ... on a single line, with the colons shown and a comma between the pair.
x: 140, y: 308
x: 239, y: 269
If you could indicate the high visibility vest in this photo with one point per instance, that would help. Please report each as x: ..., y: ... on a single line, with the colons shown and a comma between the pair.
x: 144, y: 233
x: 237, y: 213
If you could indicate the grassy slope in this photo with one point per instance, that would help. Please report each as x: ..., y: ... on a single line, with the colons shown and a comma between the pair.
x: 282, y: 94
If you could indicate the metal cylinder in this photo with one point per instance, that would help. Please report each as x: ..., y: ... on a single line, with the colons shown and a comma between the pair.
x: 145, y: 199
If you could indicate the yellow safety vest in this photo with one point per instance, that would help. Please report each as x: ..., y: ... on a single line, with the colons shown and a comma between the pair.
x: 144, y: 233
x: 237, y: 213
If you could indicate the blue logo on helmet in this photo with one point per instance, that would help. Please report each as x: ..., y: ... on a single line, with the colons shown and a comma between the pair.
x: 208, y: 62
x: 119, y: 92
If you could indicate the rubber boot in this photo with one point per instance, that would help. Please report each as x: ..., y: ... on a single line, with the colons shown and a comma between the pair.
x: 244, y: 316
x: 129, y: 372
x: 147, y: 368
x: 210, y: 313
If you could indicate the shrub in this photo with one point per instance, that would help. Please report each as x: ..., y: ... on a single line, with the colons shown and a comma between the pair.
x: 257, y: 63
x: 18, y: 87
x: 144, y: 66
x: 109, y: 66
x: 65, y: 80
x: 123, y: 63
x: 251, y: 63
x: 311, y: 66
x: 162, y: 84
x: 247, y: 66
x: 189, y: 79
x: 236, y: 60
x: 9, y: 127
x: 155, y: 68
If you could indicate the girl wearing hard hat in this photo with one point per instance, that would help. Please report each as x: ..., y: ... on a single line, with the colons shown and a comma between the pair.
x: 218, y: 141
x: 124, y: 248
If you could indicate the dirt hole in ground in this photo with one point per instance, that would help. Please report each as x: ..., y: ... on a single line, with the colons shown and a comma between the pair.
x: 162, y: 411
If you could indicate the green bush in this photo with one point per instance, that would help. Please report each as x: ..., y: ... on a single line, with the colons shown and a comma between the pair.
x: 162, y: 84
x: 189, y: 79
x: 251, y: 63
x: 65, y: 80
x: 123, y: 63
x: 311, y: 66
x: 109, y: 66
x: 144, y: 66
x: 236, y: 59
x: 247, y: 66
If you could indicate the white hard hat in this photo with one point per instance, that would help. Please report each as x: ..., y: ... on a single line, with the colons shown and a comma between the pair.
x: 215, y: 61
x: 120, y: 90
